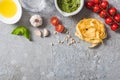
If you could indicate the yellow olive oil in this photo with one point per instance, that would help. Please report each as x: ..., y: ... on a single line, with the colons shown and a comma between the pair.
x: 8, y: 8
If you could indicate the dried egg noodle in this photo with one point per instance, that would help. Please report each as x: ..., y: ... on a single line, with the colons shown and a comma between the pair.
x: 91, y: 30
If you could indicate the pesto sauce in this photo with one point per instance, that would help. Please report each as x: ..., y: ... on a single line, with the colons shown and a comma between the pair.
x: 68, y: 5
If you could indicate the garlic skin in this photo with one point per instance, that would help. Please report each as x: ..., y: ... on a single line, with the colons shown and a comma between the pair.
x: 36, y: 20
x: 46, y: 32
x: 38, y: 33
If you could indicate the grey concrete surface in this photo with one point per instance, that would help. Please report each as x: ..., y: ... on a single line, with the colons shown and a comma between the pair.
x: 21, y: 59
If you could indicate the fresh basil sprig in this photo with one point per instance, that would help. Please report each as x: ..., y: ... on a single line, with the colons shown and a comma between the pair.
x: 21, y: 30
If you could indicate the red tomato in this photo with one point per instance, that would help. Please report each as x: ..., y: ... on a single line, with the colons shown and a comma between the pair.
x: 112, y: 11
x: 104, y: 4
x: 117, y: 18
x: 114, y: 27
x: 96, y: 1
x: 89, y: 4
x: 54, y: 21
x: 96, y: 8
x: 103, y: 14
x: 108, y: 20
x: 59, y: 28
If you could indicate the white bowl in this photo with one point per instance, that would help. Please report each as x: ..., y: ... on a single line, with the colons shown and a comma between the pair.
x: 16, y: 17
x: 72, y: 13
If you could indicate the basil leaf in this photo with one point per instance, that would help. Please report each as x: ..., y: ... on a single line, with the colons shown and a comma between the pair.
x: 21, y: 30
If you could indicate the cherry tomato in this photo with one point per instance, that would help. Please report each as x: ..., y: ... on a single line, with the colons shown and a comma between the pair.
x: 96, y: 8
x: 114, y: 27
x: 96, y: 1
x: 108, y: 20
x: 54, y: 21
x: 104, y: 4
x: 59, y: 28
x: 103, y: 14
x: 117, y: 18
x: 112, y: 11
x: 89, y: 4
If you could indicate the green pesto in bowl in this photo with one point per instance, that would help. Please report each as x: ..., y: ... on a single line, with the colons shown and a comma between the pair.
x: 68, y: 5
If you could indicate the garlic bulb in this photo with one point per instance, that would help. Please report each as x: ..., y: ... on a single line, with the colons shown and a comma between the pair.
x: 36, y: 20
x: 46, y: 32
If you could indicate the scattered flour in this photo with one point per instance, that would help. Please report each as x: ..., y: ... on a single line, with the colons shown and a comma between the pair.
x: 13, y: 62
x: 24, y: 78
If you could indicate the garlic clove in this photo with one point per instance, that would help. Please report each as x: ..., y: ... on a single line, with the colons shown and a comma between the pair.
x: 38, y: 33
x: 46, y: 32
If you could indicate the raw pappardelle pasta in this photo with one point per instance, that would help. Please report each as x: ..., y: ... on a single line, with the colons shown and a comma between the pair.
x: 91, y: 30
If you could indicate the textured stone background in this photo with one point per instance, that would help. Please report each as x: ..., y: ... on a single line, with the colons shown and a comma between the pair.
x: 21, y: 59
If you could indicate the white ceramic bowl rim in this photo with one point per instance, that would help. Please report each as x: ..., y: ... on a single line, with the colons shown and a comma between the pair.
x: 72, y: 13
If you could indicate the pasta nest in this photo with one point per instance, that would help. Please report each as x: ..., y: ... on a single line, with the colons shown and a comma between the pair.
x: 91, y: 30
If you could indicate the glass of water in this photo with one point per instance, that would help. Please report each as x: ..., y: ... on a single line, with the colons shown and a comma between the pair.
x: 34, y: 5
